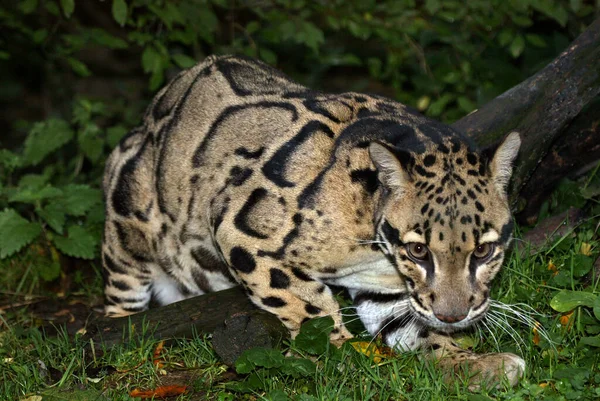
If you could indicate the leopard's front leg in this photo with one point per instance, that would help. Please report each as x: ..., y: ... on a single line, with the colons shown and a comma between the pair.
x: 477, y: 369
x: 290, y: 293
x: 388, y: 315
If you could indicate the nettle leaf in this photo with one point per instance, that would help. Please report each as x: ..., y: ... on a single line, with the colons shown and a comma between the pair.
x: 10, y: 160
x: 115, y: 134
x: 314, y: 335
x: 44, y: 138
x: 597, y: 307
x: 78, y: 199
x: 79, y: 243
x: 565, y: 301
x: 33, y: 195
x: 15, y: 232
x: 54, y: 215
x: 91, y: 142
x: 258, y: 357
x: 119, y: 11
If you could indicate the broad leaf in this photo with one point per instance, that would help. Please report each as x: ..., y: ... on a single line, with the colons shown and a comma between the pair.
x: 91, y: 142
x: 565, y: 301
x: 314, y: 335
x: 68, y: 7
x: 15, y: 232
x: 44, y: 138
x: 54, y: 215
x: 119, y: 11
x: 33, y: 195
x: 78, y: 199
x: 258, y: 357
x: 79, y: 243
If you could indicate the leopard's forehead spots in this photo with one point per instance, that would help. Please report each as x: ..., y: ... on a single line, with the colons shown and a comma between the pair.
x: 455, y: 205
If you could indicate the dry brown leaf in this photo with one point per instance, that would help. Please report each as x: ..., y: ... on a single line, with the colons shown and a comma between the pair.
x: 159, y: 392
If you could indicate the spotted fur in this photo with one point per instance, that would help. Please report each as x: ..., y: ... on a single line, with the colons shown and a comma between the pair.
x: 240, y: 176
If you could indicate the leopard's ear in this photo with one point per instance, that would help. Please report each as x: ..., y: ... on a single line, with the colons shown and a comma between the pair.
x: 390, y: 169
x: 502, y: 160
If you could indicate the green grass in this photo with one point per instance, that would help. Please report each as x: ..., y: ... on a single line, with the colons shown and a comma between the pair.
x: 563, y: 358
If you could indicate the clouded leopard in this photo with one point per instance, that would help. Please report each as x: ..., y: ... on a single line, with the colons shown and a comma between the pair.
x: 238, y: 175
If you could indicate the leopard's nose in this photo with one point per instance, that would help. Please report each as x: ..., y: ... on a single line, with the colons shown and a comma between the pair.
x: 450, y: 318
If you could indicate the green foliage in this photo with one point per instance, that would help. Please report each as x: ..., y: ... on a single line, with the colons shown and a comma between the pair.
x: 50, y: 189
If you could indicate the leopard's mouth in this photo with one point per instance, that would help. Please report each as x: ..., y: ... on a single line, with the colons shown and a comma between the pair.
x: 427, y: 317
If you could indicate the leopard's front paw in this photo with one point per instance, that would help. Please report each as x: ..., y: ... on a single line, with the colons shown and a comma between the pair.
x: 485, y: 369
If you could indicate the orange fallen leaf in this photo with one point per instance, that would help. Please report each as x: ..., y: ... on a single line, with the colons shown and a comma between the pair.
x: 552, y: 267
x: 566, y: 321
x: 543, y: 385
x: 536, y: 334
x: 370, y: 349
x: 156, y: 356
x: 159, y: 392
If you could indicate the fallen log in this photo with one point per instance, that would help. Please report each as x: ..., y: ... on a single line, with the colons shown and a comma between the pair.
x: 541, y: 109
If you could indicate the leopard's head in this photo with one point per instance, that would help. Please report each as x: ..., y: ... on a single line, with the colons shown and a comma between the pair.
x: 445, y: 222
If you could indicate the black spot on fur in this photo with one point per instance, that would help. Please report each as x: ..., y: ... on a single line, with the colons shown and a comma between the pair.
x: 238, y: 175
x: 367, y: 178
x: 274, y: 302
x: 242, y: 260
x: 247, y: 154
x: 121, y: 285
x: 311, y: 309
x: 391, y: 234
x: 429, y: 160
x: 274, y: 169
x: 472, y: 159
x: 299, y: 274
x: 479, y: 206
x: 279, y: 279
x: 241, y: 219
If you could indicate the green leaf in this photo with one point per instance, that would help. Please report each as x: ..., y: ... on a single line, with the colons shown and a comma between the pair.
x: 10, y: 160
x: 432, y: 6
x: 68, y: 7
x: 258, y: 357
x: 517, y: 46
x: 119, y: 11
x: 103, y: 38
x: 78, y: 67
x: 151, y: 59
x: 465, y: 104
x: 44, y: 138
x: 15, y: 232
x: 78, y: 199
x: 439, y: 105
x: 48, y: 270
x: 298, y: 367
x: 79, y: 243
x: 505, y: 37
x: 597, y: 307
x: 114, y: 135
x: 28, y: 6
x: 591, y: 341
x: 91, y: 142
x: 183, y: 61
x: 582, y: 264
x: 565, y: 301
x: 33, y: 195
x: 535, y: 40
x: 277, y: 395
x: 314, y: 335
x: 54, y: 215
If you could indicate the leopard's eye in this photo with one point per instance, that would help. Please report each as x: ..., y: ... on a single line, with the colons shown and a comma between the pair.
x: 483, y: 251
x: 418, y: 251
